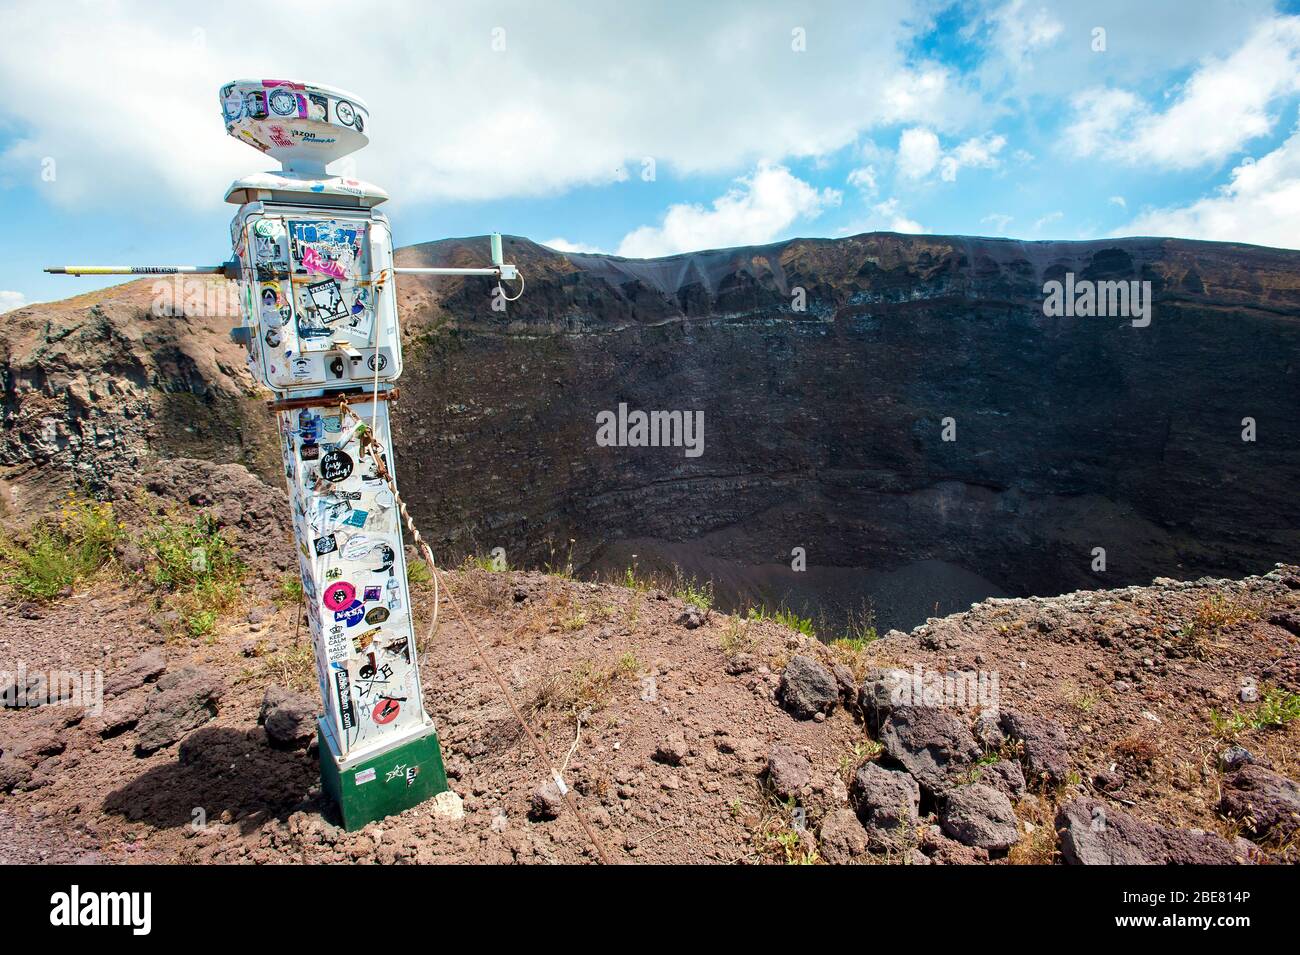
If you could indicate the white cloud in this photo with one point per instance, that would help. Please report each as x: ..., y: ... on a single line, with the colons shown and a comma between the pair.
x: 999, y: 221
x: 1018, y: 30
x: 1043, y: 49
x: 896, y: 220
x: 759, y: 209
x: 863, y: 178
x: 564, y: 245
x: 1048, y: 220
x: 1118, y: 201
x: 1222, y: 106
x: 981, y: 151
x: 124, y: 95
x: 1260, y: 205
x: 918, y: 152
x: 886, y: 216
x: 11, y: 300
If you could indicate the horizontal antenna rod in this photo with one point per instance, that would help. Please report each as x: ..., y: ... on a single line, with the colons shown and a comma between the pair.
x: 504, y: 271
x: 137, y: 269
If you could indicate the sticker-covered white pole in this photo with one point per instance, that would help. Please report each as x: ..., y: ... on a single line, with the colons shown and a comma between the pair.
x: 314, y: 260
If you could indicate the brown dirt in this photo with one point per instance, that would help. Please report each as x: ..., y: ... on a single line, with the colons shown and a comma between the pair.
x: 568, y: 646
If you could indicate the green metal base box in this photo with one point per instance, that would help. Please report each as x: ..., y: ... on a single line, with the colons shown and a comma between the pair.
x: 385, y: 784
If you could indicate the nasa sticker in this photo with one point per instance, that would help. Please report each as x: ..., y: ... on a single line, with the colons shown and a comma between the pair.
x: 350, y: 615
x: 336, y: 466
x: 339, y: 595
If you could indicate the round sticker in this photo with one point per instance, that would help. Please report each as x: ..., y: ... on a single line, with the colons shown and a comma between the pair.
x: 336, y: 466
x: 340, y: 595
x: 357, y: 547
x: 284, y: 103
x: 377, y: 615
x: 385, y: 711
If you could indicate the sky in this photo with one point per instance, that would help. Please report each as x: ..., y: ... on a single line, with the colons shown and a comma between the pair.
x: 646, y: 129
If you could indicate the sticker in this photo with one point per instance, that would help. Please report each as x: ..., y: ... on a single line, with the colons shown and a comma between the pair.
x: 386, y: 558
x: 367, y: 671
x: 352, y: 614
x: 325, y: 545
x: 386, y: 711
x: 377, y: 615
x: 300, y: 368
x: 284, y: 102
x: 372, y: 593
x: 383, y: 362
x: 356, y: 518
x: 339, y: 596
x: 346, y: 715
x: 336, y: 466
x: 272, y: 338
x: 358, y: 546
x: 366, y: 776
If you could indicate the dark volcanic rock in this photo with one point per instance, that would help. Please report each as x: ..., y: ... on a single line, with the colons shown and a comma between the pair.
x: 980, y: 816
x: 885, y: 800
x: 1092, y: 833
x: 788, y: 772
x: 547, y: 802
x: 141, y: 670
x: 1266, y: 803
x: 841, y: 838
x: 289, y: 718
x: 1046, y: 745
x: 14, y: 773
x: 183, y: 701
x: 884, y: 689
x: 808, y: 688
x: 930, y: 743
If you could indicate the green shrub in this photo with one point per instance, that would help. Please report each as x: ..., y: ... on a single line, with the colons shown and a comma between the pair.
x: 786, y: 618
x: 196, y: 568
x: 58, y: 553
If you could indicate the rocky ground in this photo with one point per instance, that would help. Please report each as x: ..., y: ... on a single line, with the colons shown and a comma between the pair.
x: 1149, y: 724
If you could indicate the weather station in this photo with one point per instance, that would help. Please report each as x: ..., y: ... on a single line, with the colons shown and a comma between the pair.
x: 314, y: 262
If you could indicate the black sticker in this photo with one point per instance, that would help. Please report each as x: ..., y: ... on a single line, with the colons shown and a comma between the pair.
x: 325, y: 545
x: 377, y: 615
x: 336, y: 466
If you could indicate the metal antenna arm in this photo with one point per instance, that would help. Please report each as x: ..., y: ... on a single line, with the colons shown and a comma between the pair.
x: 499, y: 268
x: 229, y: 269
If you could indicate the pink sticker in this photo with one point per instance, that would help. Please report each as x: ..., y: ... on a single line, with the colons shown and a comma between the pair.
x: 340, y: 595
x: 313, y: 261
